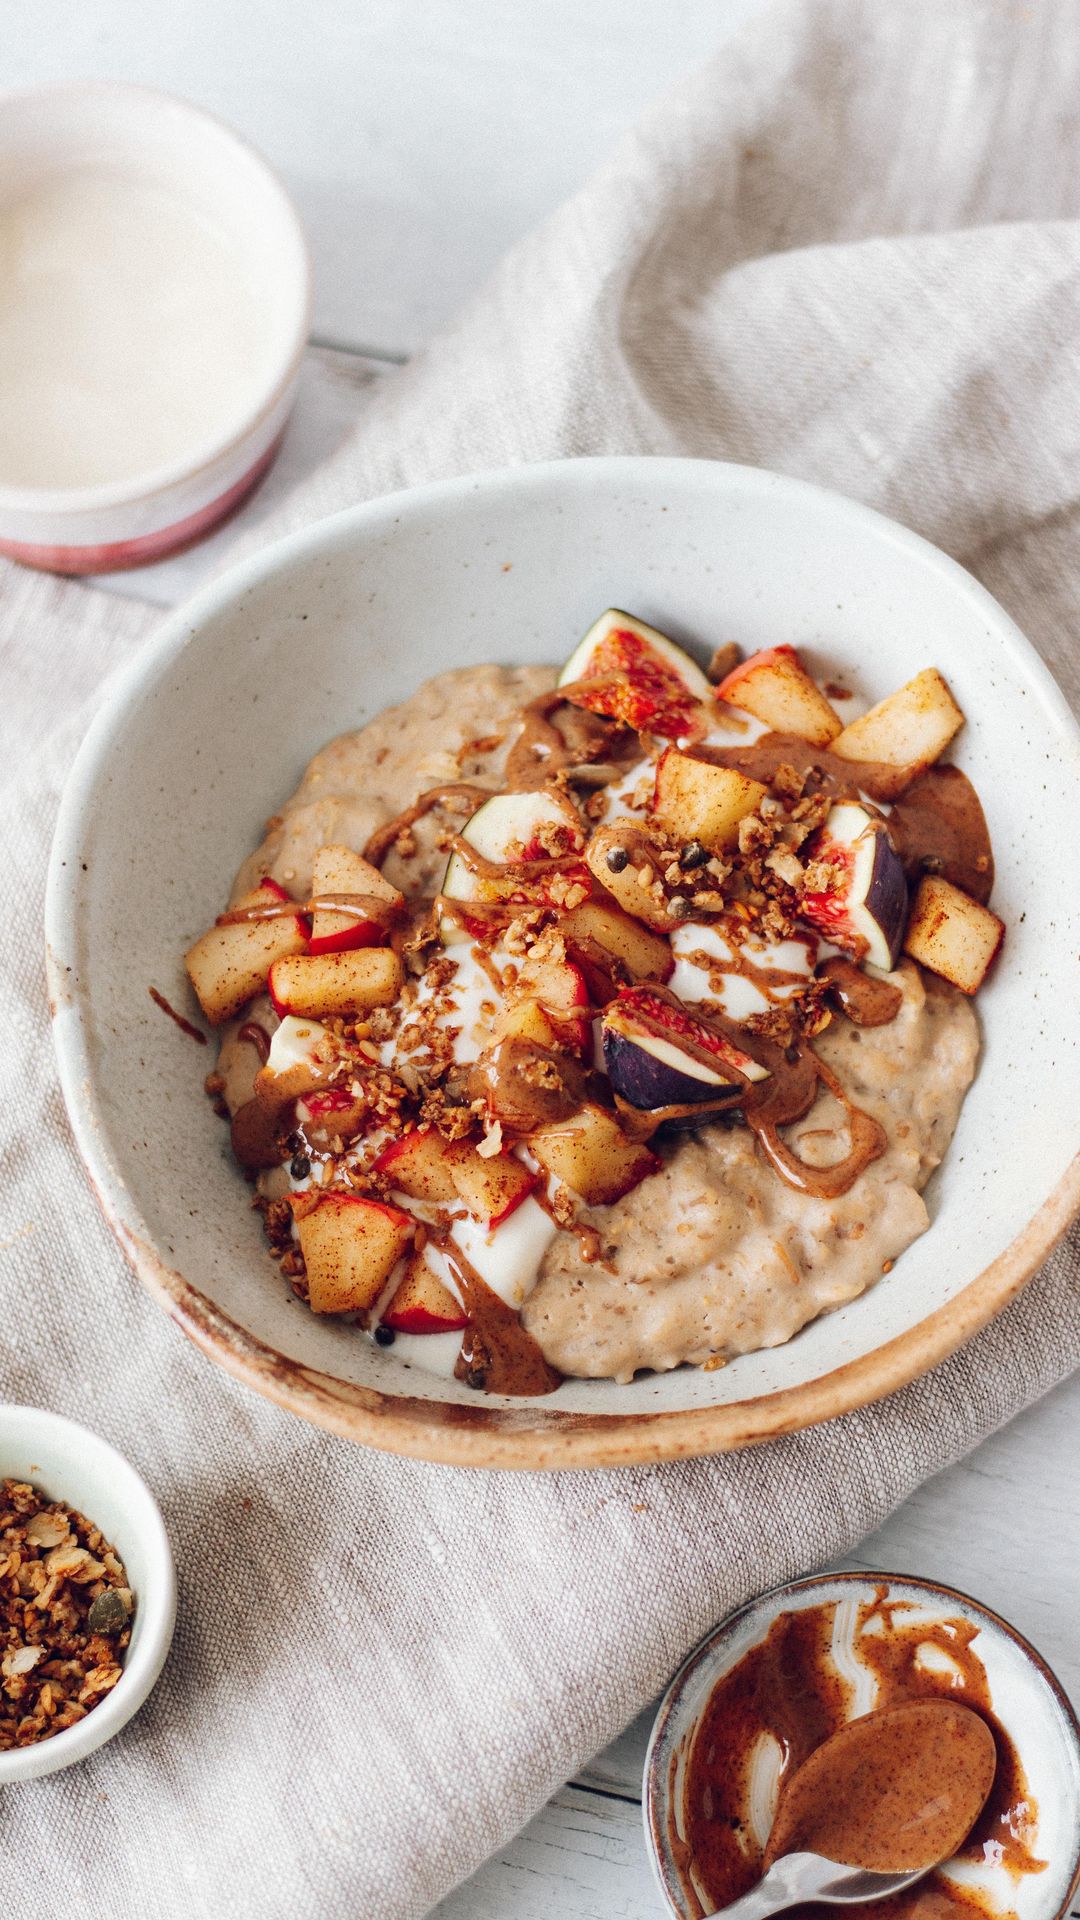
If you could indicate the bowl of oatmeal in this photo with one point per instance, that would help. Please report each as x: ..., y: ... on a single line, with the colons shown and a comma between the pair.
x: 619, y: 1016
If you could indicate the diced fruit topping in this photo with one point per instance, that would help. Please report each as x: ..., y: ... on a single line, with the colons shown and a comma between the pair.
x: 294, y: 1043
x: 650, y: 1072
x: 625, y: 860
x: 525, y: 1020
x: 228, y: 966
x: 856, y: 894
x: 338, y: 870
x: 422, y: 1304
x: 633, y: 674
x: 909, y: 729
x: 321, y: 984
x: 590, y: 1153
x: 775, y: 687
x: 419, y: 1164
x: 350, y: 1245
x: 508, y: 830
x: 492, y: 1187
x: 699, y: 801
x: 952, y: 934
x: 598, y: 934
x: 558, y: 987
x: 658, y: 1054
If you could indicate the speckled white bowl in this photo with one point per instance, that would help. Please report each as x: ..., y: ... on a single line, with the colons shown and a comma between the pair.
x: 1027, y: 1699
x: 209, y: 731
x: 69, y: 1463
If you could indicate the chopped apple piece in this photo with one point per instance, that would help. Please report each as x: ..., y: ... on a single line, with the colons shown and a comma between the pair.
x: 422, y: 1304
x: 338, y: 870
x: 639, y: 954
x: 909, y: 729
x: 351, y: 1245
x: 613, y: 855
x: 775, y: 687
x: 699, y: 801
x: 419, y: 1164
x: 320, y: 984
x: 591, y: 1154
x: 491, y: 1188
x: 559, y: 988
x: 952, y: 934
x: 633, y: 674
x: 525, y: 1020
x: 228, y: 966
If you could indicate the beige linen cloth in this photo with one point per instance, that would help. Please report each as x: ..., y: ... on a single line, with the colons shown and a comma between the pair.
x: 847, y: 249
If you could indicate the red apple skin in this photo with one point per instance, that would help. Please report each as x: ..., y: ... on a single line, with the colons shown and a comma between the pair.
x: 334, y: 1100
x: 497, y: 1219
x: 725, y: 690
x: 419, y: 1320
x: 363, y: 933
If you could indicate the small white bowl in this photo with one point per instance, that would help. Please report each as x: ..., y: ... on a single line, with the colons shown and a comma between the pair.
x: 1027, y: 1700
x: 155, y: 140
x: 69, y: 1463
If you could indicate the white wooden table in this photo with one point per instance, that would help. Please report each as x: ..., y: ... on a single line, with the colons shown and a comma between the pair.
x: 419, y: 141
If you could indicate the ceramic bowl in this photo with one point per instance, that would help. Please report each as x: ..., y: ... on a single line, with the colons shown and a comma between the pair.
x: 69, y: 1463
x: 156, y: 140
x: 210, y: 730
x: 1025, y: 1697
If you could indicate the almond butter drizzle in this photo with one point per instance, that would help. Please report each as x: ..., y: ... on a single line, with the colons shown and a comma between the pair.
x: 256, y: 1037
x: 365, y: 906
x: 518, y: 872
x: 497, y: 1353
x: 844, y: 779
x: 447, y: 795
x: 186, y: 1026
x: 868, y: 1142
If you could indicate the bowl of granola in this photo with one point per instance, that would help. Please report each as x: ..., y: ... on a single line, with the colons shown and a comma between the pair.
x: 87, y: 1592
x: 594, y: 991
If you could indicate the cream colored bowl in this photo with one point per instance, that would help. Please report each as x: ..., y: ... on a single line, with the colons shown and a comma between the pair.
x: 209, y: 731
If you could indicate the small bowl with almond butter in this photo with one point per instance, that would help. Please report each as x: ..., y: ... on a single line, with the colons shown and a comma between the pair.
x: 87, y: 1592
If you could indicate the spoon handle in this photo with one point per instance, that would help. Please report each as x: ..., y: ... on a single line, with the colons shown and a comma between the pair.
x: 795, y: 1877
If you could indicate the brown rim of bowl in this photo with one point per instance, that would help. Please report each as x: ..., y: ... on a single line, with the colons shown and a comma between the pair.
x: 531, y: 1437
x: 937, y: 1587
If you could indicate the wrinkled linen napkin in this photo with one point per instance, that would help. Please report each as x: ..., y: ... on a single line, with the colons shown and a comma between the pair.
x: 847, y: 249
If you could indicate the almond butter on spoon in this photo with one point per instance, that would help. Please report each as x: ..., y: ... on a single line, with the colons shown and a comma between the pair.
x: 875, y: 1807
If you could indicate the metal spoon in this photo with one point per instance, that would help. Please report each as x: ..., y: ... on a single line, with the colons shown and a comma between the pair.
x: 806, y: 1876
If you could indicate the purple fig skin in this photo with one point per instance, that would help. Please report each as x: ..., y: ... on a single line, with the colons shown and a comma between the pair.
x: 647, y: 1083
x: 868, y: 917
x: 887, y: 895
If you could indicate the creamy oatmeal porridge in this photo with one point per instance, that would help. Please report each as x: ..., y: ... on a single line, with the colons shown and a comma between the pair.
x: 607, y: 1021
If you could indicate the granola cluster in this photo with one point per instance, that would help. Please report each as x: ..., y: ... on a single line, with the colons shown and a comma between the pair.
x: 65, y: 1616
